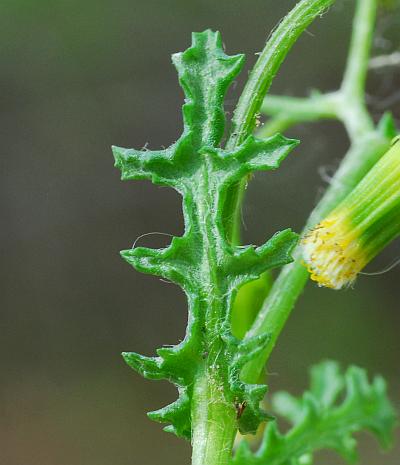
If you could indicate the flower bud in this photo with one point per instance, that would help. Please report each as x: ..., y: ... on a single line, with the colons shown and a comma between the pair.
x: 367, y: 220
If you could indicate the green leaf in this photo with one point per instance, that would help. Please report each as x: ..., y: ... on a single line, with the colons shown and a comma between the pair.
x: 252, y: 155
x: 162, y: 167
x: 203, y: 262
x: 205, y: 73
x: 320, y: 421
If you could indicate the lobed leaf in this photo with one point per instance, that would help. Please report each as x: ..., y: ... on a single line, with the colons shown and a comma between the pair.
x: 205, y: 73
x: 319, y: 421
x: 202, y: 261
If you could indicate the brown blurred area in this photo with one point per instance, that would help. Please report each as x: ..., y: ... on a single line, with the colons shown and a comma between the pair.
x: 77, y: 77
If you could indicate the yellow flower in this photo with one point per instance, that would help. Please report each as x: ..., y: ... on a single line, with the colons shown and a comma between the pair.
x: 367, y: 220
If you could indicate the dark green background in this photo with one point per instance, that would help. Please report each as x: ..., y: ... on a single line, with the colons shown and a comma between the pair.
x: 75, y: 77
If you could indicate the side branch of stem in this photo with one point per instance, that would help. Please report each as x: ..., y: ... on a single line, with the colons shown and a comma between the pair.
x: 367, y: 146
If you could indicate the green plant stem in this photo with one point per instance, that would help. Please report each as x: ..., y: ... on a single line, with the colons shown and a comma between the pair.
x: 288, y: 111
x: 267, y: 65
x: 353, y: 111
x: 260, y: 79
x: 214, y: 424
x: 355, y: 75
x: 292, y: 279
x: 213, y: 417
x: 367, y: 146
x: 315, y: 107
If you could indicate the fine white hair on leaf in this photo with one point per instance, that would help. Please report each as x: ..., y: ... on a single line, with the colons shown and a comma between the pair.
x: 150, y: 234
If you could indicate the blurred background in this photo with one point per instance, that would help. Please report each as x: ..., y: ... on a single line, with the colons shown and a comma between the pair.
x: 77, y: 77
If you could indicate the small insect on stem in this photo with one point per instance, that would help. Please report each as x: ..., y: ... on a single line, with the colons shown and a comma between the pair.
x: 240, y: 406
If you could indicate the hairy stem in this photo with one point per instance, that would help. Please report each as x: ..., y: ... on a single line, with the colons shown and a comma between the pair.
x: 288, y: 111
x: 260, y: 79
x: 214, y: 421
x: 213, y: 416
x: 367, y: 146
x: 353, y: 109
x: 267, y: 65
x: 355, y: 74
x: 214, y: 424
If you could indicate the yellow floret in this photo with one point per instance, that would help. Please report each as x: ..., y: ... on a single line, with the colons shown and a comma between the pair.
x: 332, y: 253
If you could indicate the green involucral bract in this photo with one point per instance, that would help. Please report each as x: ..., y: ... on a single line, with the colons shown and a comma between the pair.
x: 320, y: 421
x: 203, y: 262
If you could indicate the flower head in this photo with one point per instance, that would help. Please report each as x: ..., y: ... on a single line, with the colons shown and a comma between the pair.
x: 367, y: 220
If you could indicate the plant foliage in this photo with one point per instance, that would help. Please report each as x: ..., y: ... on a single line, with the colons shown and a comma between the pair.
x: 203, y: 262
x: 215, y: 397
x: 321, y: 421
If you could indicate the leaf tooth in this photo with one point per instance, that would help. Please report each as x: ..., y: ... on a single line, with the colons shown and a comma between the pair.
x: 346, y: 446
x: 178, y: 361
x: 250, y: 347
x: 326, y: 382
x: 137, y: 164
x: 357, y: 384
x: 252, y: 155
x: 389, y: 413
x: 263, y: 154
x: 278, y: 249
x: 159, y: 262
x: 229, y: 65
x: 250, y: 262
x: 272, y: 441
x: 387, y: 421
x: 311, y: 411
x: 205, y: 73
x: 164, y: 167
x: 148, y: 367
x: 177, y: 413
